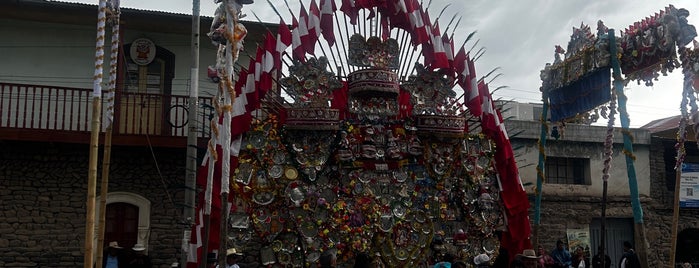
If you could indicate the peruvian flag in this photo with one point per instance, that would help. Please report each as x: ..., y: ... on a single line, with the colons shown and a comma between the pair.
x: 419, y: 28
x: 448, y: 44
x: 314, y: 21
x: 283, y: 42
x: 474, y: 101
x: 307, y: 37
x: 298, y: 50
x: 461, y: 69
x: 350, y: 9
x: 400, y: 14
x: 267, y: 63
x: 439, y: 54
x: 327, y: 11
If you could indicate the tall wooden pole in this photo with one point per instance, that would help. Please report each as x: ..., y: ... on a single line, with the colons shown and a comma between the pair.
x: 232, y: 9
x: 675, y: 217
x: 540, y: 168
x: 192, y: 135
x: 107, y: 154
x: 94, y: 137
x: 687, y: 92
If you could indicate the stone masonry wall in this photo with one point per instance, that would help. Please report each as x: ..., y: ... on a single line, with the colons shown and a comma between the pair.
x: 43, y: 192
x: 558, y: 213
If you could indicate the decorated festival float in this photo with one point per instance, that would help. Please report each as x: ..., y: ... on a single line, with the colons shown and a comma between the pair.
x: 587, y: 80
x: 355, y: 131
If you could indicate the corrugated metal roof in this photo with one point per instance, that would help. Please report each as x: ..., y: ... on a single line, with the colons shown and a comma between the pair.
x: 662, y: 124
x: 78, y: 4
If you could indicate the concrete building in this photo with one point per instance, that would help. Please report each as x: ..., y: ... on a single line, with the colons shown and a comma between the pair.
x: 572, y: 194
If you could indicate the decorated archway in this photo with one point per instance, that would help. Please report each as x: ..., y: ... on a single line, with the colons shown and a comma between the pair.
x: 587, y: 80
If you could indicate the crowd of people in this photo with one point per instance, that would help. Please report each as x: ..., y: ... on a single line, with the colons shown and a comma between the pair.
x: 560, y: 257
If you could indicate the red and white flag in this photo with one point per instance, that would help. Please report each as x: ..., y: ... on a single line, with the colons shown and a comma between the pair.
x: 448, y: 44
x: 327, y: 12
x: 461, y: 69
x: 267, y: 63
x: 473, y: 102
x: 350, y: 9
x: 283, y: 41
x: 419, y: 26
x: 439, y: 57
x: 307, y: 38
x: 298, y: 51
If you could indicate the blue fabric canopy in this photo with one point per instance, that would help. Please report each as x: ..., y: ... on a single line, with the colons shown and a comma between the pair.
x: 588, y: 92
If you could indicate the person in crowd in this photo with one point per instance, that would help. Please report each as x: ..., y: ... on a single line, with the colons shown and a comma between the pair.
x: 597, y: 259
x: 579, y: 260
x: 629, y: 259
x: 113, y: 257
x: 328, y: 259
x: 528, y: 259
x: 362, y: 260
x: 546, y: 261
x: 233, y: 256
x: 140, y: 259
x: 561, y: 256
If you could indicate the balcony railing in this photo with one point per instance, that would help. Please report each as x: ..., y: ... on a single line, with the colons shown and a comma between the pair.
x: 36, y: 107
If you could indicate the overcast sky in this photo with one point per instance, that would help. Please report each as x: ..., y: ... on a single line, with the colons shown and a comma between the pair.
x: 519, y: 37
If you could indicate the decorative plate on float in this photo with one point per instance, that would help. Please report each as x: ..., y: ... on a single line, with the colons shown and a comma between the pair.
x: 256, y: 139
x: 295, y: 192
x: 262, y: 214
x: 291, y: 173
x: 263, y: 198
x: 275, y: 171
x: 490, y: 245
x: 400, y: 175
x: 244, y: 173
x: 399, y: 210
x: 402, y: 254
x: 386, y: 222
x: 308, y: 229
x: 279, y: 157
x: 329, y: 195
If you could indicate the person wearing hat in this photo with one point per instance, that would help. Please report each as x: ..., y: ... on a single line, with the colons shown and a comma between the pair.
x: 233, y: 256
x: 529, y: 258
x: 561, y: 256
x: 140, y: 259
x: 113, y: 257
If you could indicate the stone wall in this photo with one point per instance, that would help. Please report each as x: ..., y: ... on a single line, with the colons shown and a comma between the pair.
x: 43, y: 192
x: 560, y: 212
